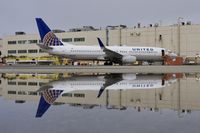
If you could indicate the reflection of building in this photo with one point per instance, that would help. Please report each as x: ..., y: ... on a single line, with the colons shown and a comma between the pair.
x: 179, y: 96
x: 24, y: 86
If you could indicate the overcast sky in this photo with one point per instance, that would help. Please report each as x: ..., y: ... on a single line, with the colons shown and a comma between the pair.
x: 19, y: 15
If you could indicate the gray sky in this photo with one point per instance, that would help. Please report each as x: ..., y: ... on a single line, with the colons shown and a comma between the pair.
x: 18, y: 15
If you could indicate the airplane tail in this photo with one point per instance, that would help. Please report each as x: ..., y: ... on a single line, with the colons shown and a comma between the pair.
x: 42, y: 107
x: 48, y: 97
x: 47, y: 36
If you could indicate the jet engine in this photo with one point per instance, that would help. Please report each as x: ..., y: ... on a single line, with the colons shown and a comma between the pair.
x: 129, y: 59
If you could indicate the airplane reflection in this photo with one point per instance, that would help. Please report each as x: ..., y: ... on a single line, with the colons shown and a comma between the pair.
x: 99, y: 83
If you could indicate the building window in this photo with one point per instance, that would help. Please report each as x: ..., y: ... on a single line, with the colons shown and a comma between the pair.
x: 32, y: 93
x: 41, y: 51
x: 22, y: 83
x: 12, y: 42
x: 11, y: 51
x: 32, y: 51
x: 41, y: 83
x: 11, y: 92
x: 67, y: 95
x: 160, y: 37
x: 22, y: 51
x: 79, y: 95
x: 21, y: 93
x: 32, y: 83
x: 67, y: 39
x: 11, y: 83
x: 32, y: 41
x: 79, y: 39
x: 22, y: 42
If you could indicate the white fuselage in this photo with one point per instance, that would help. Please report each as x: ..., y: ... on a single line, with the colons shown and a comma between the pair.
x: 96, y: 83
x: 75, y: 52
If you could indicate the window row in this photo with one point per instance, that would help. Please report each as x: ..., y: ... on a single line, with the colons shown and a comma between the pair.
x: 24, y: 42
x: 24, y: 93
x: 81, y: 39
x: 81, y: 95
x: 24, y: 51
x: 25, y: 83
x: 88, y: 51
x: 75, y: 95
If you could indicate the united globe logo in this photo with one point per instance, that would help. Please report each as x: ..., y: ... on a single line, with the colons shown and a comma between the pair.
x: 50, y: 39
x: 51, y: 95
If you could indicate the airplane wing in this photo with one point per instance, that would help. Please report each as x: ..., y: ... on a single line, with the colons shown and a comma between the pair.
x: 110, y: 80
x: 110, y: 55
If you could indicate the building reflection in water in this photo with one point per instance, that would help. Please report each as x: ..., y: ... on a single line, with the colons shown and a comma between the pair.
x: 153, y: 92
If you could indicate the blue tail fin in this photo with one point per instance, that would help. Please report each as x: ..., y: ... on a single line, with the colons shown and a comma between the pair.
x: 42, y: 107
x: 100, y: 43
x: 48, y: 97
x: 46, y: 35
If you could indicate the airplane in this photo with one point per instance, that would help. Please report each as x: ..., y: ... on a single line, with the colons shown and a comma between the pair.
x: 110, y: 54
x: 54, y: 89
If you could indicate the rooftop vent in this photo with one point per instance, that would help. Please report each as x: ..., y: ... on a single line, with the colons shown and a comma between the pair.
x: 188, y: 22
x: 20, y: 101
x: 138, y: 25
x: 182, y: 23
x: 84, y: 28
x: 117, y: 27
x: 156, y: 25
x: 20, y: 33
x: 58, y: 31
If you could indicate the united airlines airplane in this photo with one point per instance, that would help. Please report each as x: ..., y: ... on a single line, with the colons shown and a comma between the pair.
x: 51, y: 91
x: 109, y: 54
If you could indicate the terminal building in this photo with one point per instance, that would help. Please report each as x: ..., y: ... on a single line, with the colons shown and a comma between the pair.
x: 183, y: 38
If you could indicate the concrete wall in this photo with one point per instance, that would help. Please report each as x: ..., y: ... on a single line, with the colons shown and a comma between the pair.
x: 2, y: 48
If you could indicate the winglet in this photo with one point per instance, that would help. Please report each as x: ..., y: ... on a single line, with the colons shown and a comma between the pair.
x: 100, y: 92
x: 100, y: 43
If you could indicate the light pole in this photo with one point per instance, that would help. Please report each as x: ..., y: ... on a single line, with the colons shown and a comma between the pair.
x: 107, y: 35
x: 179, y: 34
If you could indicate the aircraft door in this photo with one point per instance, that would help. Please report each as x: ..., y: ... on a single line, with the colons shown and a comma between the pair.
x: 163, y: 52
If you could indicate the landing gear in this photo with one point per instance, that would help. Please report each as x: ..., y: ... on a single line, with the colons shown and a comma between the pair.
x: 163, y: 62
x: 120, y: 63
x: 150, y: 63
x: 108, y: 63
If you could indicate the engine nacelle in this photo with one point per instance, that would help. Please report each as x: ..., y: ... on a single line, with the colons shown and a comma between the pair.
x: 129, y: 59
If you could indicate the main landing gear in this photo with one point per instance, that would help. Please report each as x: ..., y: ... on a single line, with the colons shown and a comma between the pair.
x: 108, y: 63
